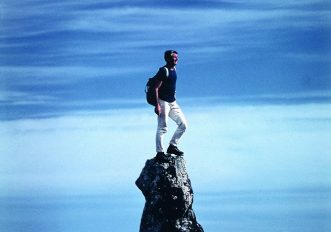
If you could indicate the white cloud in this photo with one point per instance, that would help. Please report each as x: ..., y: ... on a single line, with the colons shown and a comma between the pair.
x: 238, y: 147
x: 16, y: 98
x: 62, y: 74
x: 309, y: 57
x: 256, y: 146
x: 191, y: 25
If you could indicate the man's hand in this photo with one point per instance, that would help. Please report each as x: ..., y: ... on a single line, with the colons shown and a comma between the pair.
x: 157, y: 109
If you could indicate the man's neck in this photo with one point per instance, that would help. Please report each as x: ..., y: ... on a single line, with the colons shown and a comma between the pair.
x: 170, y: 66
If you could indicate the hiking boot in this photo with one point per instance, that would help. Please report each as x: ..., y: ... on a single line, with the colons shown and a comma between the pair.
x: 161, y: 157
x: 160, y: 153
x: 172, y: 149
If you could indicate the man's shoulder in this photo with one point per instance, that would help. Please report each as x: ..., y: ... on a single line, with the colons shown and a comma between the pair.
x: 162, y: 73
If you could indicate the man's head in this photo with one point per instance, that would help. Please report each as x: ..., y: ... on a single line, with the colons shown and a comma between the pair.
x: 171, y: 57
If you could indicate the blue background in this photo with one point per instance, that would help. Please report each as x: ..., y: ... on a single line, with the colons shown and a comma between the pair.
x: 254, y: 82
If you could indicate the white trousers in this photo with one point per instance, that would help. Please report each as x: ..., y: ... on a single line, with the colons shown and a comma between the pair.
x: 173, y: 111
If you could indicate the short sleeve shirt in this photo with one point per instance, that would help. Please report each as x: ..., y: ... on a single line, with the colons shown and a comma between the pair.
x: 167, y: 90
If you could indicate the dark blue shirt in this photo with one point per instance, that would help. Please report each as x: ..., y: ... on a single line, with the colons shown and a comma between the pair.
x: 168, y: 87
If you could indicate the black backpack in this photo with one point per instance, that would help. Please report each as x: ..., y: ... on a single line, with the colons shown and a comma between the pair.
x: 150, y: 89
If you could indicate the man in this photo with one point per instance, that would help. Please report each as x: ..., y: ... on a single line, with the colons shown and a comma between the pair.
x: 167, y: 106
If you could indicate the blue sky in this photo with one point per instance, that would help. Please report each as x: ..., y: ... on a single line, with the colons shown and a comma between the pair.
x: 62, y: 56
x: 72, y: 75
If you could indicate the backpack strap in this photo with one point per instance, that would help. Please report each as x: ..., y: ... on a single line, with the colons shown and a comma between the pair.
x: 167, y: 71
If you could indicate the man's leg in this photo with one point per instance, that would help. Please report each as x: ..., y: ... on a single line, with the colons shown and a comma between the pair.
x: 177, y: 115
x: 162, y: 125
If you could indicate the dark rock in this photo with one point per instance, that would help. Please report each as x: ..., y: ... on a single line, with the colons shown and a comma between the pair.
x: 169, y: 196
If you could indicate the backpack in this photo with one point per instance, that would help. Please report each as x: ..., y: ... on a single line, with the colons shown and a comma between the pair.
x: 150, y: 89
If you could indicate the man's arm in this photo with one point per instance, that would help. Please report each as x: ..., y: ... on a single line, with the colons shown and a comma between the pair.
x: 157, y: 109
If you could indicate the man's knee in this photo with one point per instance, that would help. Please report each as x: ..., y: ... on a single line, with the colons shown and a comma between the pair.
x: 163, y: 130
x: 183, y: 126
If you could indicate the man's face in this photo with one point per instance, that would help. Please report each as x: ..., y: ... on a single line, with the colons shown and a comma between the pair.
x: 173, y: 60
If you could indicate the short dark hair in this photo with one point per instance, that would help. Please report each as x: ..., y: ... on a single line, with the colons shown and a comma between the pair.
x: 168, y: 54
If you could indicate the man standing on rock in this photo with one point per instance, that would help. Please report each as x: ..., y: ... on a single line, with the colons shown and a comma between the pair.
x: 167, y: 106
